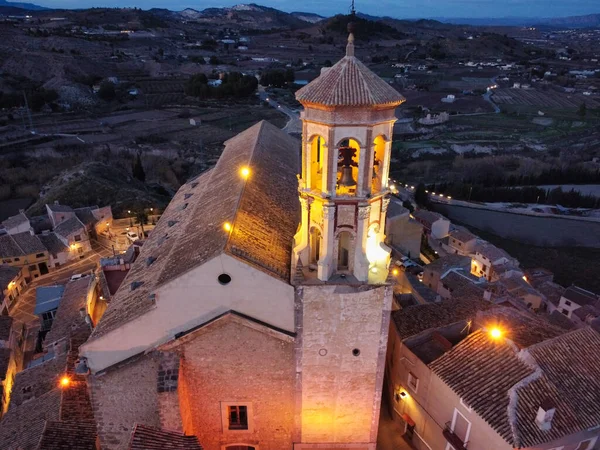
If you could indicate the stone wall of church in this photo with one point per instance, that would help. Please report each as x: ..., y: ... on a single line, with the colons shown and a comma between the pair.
x: 341, y: 355
x: 122, y: 397
x: 233, y: 362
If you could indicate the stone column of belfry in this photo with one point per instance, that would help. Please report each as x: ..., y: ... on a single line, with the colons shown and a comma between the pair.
x: 327, y: 243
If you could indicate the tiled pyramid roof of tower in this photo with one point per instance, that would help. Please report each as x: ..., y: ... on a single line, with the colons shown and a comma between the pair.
x: 262, y: 210
x: 149, y: 438
x: 349, y: 83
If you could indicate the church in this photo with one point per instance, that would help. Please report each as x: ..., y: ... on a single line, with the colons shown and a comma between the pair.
x: 257, y: 314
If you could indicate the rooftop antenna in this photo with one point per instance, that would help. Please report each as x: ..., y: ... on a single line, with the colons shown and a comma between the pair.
x: 351, y: 29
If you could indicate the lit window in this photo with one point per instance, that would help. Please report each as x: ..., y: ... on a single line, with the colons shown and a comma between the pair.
x: 413, y: 382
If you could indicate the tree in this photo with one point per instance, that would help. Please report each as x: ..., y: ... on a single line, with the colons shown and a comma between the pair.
x: 421, y: 197
x: 107, y: 91
x: 214, y: 60
x: 582, y: 110
x: 141, y: 217
x: 138, y: 169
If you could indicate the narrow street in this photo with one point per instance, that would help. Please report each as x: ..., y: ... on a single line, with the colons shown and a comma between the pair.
x: 294, y: 125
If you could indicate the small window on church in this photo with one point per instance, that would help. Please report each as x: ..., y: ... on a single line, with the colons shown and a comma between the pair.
x: 224, y: 279
x: 238, y: 417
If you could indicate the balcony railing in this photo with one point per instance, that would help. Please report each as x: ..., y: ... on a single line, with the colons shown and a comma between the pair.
x: 453, y: 439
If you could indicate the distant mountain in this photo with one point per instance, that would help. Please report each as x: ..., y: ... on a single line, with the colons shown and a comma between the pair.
x: 587, y: 21
x: 308, y: 17
x: 28, y: 6
x: 248, y: 15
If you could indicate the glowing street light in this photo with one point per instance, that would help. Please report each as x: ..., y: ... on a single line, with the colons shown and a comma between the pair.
x: 496, y: 333
x: 245, y: 172
x: 65, y: 382
x: 227, y: 226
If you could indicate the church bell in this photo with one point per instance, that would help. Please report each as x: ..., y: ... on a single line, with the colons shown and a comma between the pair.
x: 346, y: 178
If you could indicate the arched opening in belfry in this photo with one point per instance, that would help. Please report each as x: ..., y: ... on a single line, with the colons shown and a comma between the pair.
x: 317, y: 162
x: 344, y: 250
x: 315, y: 245
x: 348, y: 158
x: 378, y: 155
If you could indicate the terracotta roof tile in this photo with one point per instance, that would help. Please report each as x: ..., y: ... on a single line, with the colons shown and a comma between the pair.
x: 7, y: 274
x: 52, y: 243
x: 15, y: 221
x: 68, y: 227
x: 6, y: 323
x: 21, y: 427
x: 349, y: 83
x: 571, y: 378
x: 263, y: 210
x: 149, y: 438
x: 413, y: 320
x: 68, y: 318
x: 481, y: 371
x: 69, y: 436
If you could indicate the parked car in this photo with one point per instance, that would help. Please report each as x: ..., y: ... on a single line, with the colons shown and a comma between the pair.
x: 132, y: 236
x: 77, y: 276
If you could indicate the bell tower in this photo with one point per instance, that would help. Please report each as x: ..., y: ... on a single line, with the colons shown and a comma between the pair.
x: 347, y: 127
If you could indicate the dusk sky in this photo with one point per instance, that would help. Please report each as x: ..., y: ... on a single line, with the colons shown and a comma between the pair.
x: 393, y: 8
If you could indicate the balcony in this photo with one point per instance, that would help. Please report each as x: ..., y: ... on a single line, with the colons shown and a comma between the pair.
x: 452, y: 438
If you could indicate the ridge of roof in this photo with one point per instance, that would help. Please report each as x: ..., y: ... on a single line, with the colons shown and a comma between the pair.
x: 349, y: 82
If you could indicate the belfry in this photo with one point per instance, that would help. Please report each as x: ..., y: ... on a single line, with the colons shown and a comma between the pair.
x: 348, y: 121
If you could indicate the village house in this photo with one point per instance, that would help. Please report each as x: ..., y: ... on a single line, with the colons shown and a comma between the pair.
x: 73, y: 234
x: 24, y: 250
x: 403, y: 233
x: 517, y: 286
x: 495, y: 379
x: 433, y: 272
x: 12, y: 283
x: 434, y: 224
x: 58, y: 252
x: 47, y: 299
x: 492, y: 262
x: 461, y: 242
x: 574, y: 298
x: 457, y: 282
x: 198, y: 303
x: 17, y: 224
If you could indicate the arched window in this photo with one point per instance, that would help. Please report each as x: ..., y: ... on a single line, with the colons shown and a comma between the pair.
x: 348, y: 158
x: 344, y: 250
x: 316, y: 162
x: 378, y: 156
x: 315, y: 245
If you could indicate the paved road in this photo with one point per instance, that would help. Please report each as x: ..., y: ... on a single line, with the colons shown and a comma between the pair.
x: 294, y: 125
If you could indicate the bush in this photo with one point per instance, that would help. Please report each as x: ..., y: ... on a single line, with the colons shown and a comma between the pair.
x: 107, y: 91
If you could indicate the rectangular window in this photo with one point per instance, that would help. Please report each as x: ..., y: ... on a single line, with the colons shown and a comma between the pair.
x: 413, y: 382
x: 39, y: 255
x: 567, y: 302
x: 77, y: 237
x: 32, y: 268
x: 6, y: 261
x: 17, y: 259
x: 565, y: 312
x: 238, y: 417
x: 80, y: 250
x: 461, y: 427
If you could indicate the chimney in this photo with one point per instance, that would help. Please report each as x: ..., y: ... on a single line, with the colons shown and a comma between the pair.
x: 487, y: 295
x: 324, y: 69
x: 545, y: 414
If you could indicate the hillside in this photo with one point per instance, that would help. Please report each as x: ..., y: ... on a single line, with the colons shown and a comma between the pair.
x: 27, y: 6
x: 99, y: 184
